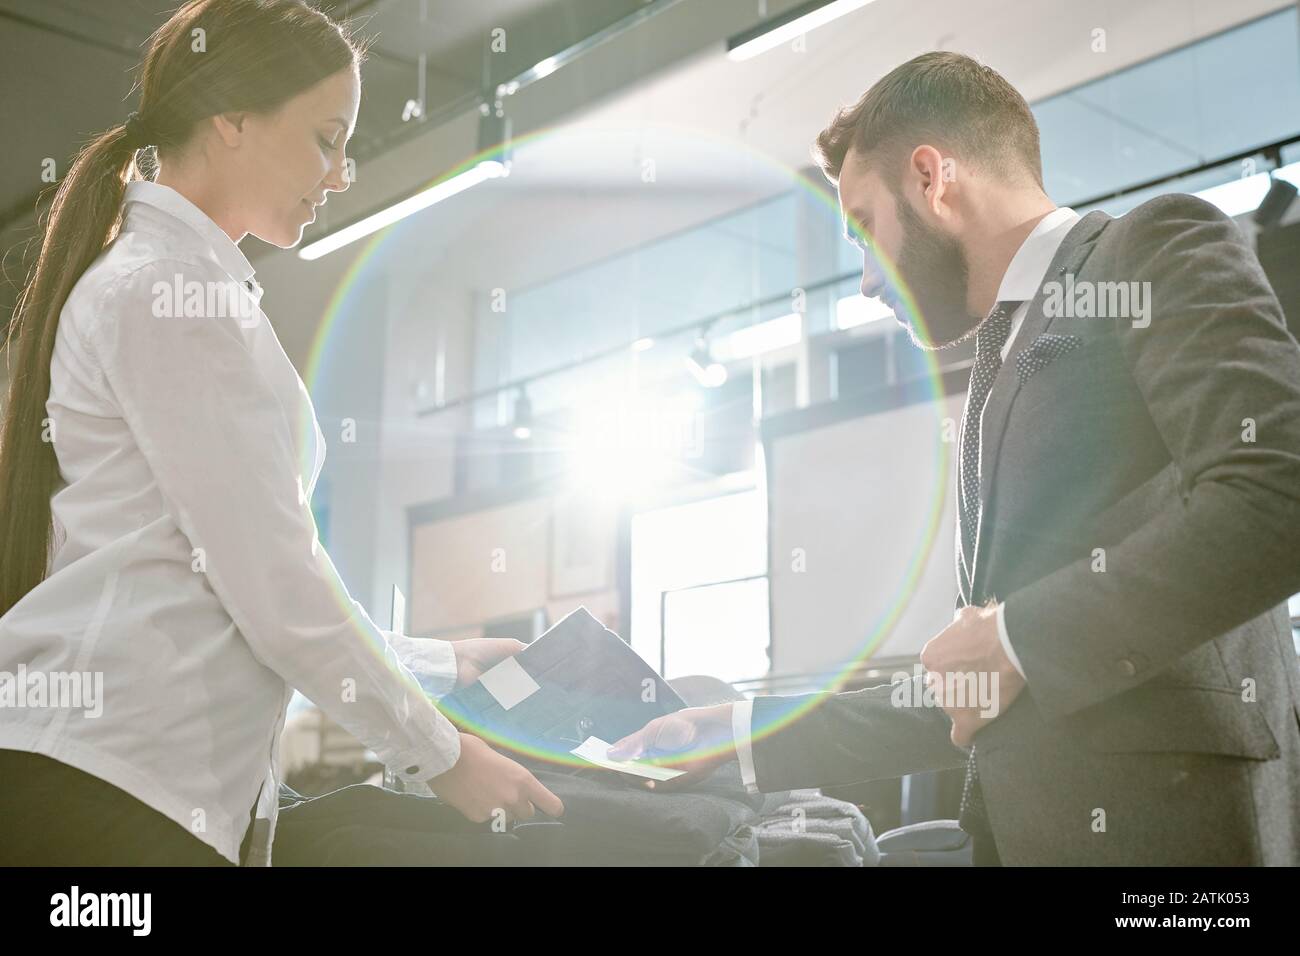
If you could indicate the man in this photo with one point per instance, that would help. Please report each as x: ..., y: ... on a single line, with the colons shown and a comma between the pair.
x: 1128, y: 493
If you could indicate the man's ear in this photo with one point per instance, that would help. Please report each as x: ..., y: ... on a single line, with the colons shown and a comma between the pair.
x: 931, y: 173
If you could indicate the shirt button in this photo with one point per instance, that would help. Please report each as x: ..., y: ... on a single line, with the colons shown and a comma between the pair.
x: 412, y: 769
x: 1126, y: 667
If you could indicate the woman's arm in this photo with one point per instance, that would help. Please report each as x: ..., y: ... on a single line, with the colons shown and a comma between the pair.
x: 442, y: 666
x: 221, y: 450
x: 433, y: 662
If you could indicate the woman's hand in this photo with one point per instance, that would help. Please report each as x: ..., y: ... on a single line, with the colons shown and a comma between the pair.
x: 485, y: 785
x: 475, y: 655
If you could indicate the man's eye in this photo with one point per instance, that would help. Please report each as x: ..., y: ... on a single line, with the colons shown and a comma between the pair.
x: 327, y: 146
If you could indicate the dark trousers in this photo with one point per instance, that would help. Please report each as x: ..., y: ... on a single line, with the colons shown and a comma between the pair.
x: 52, y: 814
x: 984, y: 852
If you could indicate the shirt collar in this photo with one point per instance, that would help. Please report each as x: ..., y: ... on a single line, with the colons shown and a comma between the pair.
x: 1030, y: 263
x: 222, y: 248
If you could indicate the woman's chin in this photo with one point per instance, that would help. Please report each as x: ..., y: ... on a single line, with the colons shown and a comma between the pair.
x: 288, y: 239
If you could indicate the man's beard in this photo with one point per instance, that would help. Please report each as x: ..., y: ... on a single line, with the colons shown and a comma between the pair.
x: 932, y: 267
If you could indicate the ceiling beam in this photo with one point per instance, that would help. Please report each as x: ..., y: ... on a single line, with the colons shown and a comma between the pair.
x: 99, y: 44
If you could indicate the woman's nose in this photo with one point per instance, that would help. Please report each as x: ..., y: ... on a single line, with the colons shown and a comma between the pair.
x: 340, y: 176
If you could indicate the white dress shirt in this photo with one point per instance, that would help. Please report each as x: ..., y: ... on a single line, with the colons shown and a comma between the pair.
x: 187, y: 570
x: 1021, y: 281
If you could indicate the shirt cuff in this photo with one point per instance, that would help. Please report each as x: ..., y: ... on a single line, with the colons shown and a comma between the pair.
x: 437, y: 758
x: 742, y: 719
x: 1006, y: 641
x: 433, y: 662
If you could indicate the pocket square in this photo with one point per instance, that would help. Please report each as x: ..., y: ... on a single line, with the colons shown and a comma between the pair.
x: 1043, y: 351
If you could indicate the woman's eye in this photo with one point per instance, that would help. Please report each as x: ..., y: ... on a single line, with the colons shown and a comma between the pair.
x: 327, y: 146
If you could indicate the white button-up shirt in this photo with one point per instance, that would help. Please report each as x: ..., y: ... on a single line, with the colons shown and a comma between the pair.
x: 1025, y: 273
x: 188, y: 577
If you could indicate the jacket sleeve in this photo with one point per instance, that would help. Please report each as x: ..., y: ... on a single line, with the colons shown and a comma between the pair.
x: 819, y: 740
x: 1220, y: 377
x: 221, y: 451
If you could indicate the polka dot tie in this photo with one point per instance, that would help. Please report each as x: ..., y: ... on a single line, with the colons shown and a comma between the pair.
x: 989, y: 342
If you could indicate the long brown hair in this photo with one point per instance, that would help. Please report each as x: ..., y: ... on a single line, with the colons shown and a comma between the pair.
x: 210, y: 57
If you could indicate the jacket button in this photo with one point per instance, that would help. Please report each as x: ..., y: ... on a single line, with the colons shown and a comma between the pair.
x: 412, y: 770
x: 1126, y: 667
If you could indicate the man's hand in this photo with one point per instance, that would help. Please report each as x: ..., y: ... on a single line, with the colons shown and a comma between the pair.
x: 697, y: 740
x: 970, y: 673
x: 475, y: 655
x: 484, y: 785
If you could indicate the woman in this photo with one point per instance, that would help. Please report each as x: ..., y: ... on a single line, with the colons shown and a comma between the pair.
x: 161, y: 584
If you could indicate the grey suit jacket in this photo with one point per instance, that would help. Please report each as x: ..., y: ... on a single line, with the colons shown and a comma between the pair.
x: 1141, y: 522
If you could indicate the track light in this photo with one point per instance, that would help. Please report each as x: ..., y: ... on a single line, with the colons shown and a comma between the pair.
x: 706, y: 370
x: 523, y: 417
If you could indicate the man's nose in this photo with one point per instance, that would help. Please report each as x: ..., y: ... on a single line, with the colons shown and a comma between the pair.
x: 873, y: 277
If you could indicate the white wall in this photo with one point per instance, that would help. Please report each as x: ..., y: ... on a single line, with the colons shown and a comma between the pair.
x: 856, y: 497
x: 428, y: 353
x: 491, y: 564
x: 348, y: 401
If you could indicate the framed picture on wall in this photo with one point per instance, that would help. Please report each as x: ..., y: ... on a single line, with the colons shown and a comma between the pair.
x: 583, y: 536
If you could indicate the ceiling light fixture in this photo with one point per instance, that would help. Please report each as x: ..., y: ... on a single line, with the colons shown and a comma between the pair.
x: 779, y: 30
x: 494, y: 152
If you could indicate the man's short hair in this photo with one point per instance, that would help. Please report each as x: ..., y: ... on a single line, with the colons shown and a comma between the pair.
x: 936, y: 98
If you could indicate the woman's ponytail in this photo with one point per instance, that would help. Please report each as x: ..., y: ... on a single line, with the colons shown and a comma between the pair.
x: 210, y: 57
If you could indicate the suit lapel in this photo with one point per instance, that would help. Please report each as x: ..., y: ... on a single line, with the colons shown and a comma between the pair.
x: 1069, y: 258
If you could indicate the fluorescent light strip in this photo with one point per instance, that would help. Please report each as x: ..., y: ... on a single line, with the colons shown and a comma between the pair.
x: 784, y: 32
x: 487, y: 169
x: 763, y: 337
x: 1240, y: 196
x: 546, y: 67
x: 855, y: 310
x: 1290, y: 172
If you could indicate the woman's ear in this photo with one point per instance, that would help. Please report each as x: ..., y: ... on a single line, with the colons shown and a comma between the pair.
x: 230, y: 127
